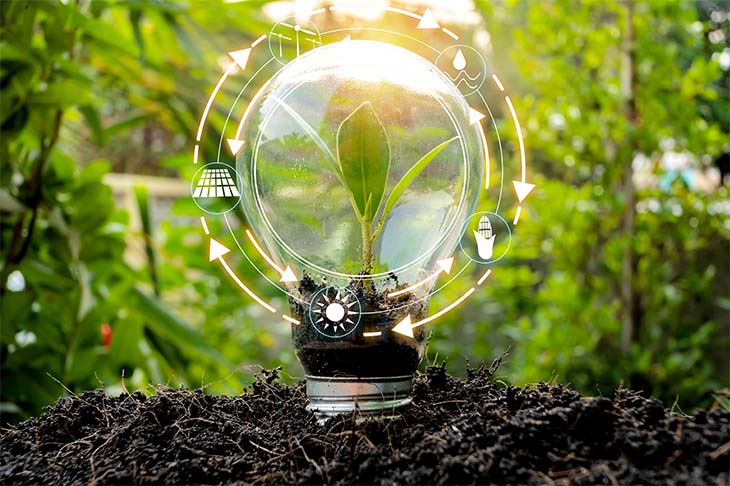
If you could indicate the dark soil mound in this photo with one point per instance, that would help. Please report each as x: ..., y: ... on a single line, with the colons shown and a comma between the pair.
x: 456, y: 431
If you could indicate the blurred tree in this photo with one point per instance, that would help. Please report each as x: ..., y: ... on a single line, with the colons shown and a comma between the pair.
x: 71, y: 309
x: 615, y: 280
x: 604, y: 257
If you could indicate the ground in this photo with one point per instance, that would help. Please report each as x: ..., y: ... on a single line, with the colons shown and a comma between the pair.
x: 456, y: 431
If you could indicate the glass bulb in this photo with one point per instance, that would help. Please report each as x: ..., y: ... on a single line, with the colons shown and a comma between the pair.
x: 359, y: 169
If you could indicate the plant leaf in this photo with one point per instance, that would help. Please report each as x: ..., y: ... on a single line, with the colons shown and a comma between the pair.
x: 410, y: 176
x: 363, y: 153
x: 94, y: 121
x: 10, y: 204
x: 163, y: 322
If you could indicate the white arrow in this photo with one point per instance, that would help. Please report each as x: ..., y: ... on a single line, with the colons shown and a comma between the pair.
x: 217, y: 250
x: 475, y: 116
x: 241, y: 57
x: 522, y: 189
x: 234, y: 145
x: 347, y: 38
x: 404, y: 327
x: 444, y: 266
x: 428, y: 21
x: 288, y: 276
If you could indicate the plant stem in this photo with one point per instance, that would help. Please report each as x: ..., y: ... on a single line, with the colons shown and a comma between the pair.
x: 367, y: 246
x: 20, y: 243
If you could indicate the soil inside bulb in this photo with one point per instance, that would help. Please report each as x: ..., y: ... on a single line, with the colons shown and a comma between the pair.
x: 389, y: 354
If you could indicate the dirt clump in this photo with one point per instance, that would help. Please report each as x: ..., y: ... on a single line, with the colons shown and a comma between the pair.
x: 455, y: 432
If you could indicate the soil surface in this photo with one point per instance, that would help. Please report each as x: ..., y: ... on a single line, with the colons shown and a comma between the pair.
x: 456, y: 431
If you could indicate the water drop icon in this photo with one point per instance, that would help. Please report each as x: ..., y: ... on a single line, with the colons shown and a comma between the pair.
x: 464, y: 66
x: 459, y: 61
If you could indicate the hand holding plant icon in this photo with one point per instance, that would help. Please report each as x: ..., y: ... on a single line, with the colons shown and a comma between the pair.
x: 363, y: 156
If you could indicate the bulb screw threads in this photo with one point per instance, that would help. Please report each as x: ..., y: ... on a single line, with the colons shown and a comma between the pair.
x: 366, y: 396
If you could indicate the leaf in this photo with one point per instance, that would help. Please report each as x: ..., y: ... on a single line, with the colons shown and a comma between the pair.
x: 135, y: 16
x: 409, y: 177
x: 127, y: 124
x: 15, y: 121
x: 363, y: 153
x: 142, y: 197
x: 64, y: 93
x: 165, y: 323
x: 94, y: 121
x: 8, y: 203
x: 9, y: 408
x: 102, y: 34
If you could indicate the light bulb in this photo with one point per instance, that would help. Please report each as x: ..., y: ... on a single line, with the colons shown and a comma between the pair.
x: 359, y: 168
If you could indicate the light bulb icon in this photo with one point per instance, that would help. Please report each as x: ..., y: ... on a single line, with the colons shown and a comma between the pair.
x: 485, y: 238
x: 359, y: 165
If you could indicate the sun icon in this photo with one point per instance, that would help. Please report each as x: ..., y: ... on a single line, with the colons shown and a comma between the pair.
x: 335, y: 315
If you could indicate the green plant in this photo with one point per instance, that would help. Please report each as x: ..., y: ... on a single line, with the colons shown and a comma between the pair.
x: 362, y: 166
x: 78, y: 85
x: 612, y: 282
x: 83, y: 81
x: 363, y: 160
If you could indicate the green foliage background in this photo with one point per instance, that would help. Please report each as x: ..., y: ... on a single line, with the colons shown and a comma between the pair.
x: 610, y: 283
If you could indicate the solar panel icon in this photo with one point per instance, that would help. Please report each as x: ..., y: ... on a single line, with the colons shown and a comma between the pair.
x: 216, y: 183
x: 216, y: 188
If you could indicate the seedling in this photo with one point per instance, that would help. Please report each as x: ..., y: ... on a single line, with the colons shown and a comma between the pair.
x: 362, y: 165
x: 363, y: 158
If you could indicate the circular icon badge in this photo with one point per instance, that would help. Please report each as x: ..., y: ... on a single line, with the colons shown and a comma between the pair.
x: 464, y: 66
x: 216, y: 188
x: 487, y: 237
x: 334, y: 313
x: 289, y: 39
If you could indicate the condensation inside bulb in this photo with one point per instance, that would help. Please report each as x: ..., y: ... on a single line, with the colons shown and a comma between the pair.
x: 296, y: 202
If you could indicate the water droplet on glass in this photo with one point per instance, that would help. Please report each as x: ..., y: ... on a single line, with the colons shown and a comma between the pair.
x: 459, y: 61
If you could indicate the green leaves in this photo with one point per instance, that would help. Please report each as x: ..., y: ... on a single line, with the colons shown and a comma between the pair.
x: 167, y: 324
x: 67, y: 71
x: 363, y: 156
x: 409, y: 177
x: 363, y: 153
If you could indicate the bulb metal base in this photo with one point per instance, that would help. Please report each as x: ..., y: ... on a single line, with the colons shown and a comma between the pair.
x: 365, y: 396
